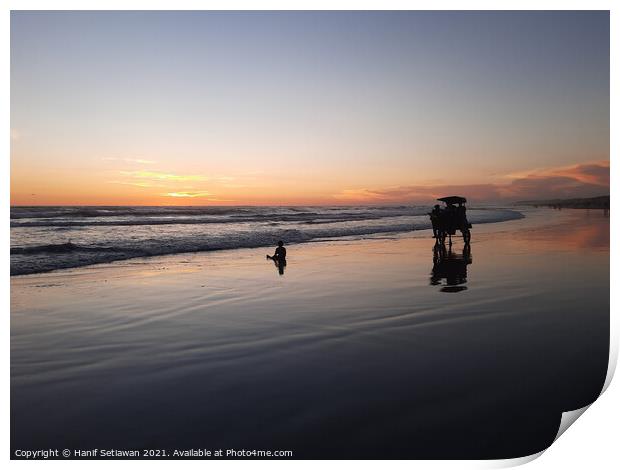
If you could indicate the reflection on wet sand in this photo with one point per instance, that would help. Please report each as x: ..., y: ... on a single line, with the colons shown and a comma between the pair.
x: 578, y: 230
x: 450, y: 267
x: 280, y: 265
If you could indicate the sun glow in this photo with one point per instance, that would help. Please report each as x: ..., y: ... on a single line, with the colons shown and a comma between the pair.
x: 188, y: 194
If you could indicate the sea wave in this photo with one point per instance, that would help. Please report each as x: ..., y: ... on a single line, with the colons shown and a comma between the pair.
x: 50, y: 212
x: 98, y: 217
x: 42, y: 257
x: 75, y: 212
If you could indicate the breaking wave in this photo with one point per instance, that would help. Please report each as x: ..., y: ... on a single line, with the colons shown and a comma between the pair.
x: 45, y: 239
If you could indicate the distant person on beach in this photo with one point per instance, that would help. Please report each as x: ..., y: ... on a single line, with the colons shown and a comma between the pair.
x: 280, y: 253
x: 279, y: 257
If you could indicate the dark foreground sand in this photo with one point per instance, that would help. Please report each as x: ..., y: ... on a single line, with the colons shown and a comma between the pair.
x: 352, y: 353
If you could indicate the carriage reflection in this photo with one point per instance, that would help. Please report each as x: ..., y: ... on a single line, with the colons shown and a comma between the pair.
x: 450, y: 267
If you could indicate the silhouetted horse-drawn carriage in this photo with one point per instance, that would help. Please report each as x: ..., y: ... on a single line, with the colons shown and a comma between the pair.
x: 452, y: 217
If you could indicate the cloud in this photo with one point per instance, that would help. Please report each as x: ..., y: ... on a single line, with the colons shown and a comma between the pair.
x: 129, y: 160
x: 419, y: 193
x: 596, y: 173
x: 177, y: 185
x: 190, y: 194
x: 141, y: 184
x: 551, y: 187
x: 198, y: 194
x: 583, y: 180
x: 163, y: 176
x: 591, y: 173
x: 360, y: 194
x: 158, y: 175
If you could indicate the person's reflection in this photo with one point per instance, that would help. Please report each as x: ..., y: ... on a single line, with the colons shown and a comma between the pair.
x: 451, y: 267
x: 280, y: 264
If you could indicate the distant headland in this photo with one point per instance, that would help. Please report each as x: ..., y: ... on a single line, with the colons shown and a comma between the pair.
x: 599, y: 202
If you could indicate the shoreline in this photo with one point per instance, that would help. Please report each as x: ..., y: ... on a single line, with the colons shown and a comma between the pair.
x: 538, y: 219
x: 69, y: 247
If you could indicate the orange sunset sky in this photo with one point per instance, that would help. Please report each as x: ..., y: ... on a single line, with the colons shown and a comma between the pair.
x: 193, y: 108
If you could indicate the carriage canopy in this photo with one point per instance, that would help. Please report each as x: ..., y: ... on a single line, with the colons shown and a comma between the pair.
x: 453, y: 200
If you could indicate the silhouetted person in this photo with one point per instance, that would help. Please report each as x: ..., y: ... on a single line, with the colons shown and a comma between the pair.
x: 279, y: 257
x: 449, y: 218
x: 280, y: 253
x: 461, y: 216
x: 435, y: 220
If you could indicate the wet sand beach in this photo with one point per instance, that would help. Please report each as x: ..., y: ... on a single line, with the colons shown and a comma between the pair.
x: 370, y: 348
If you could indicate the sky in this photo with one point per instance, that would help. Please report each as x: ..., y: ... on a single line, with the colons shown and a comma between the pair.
x: 245, y: 108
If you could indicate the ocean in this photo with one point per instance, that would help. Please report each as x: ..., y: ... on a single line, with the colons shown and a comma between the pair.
x: 46, y: 238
